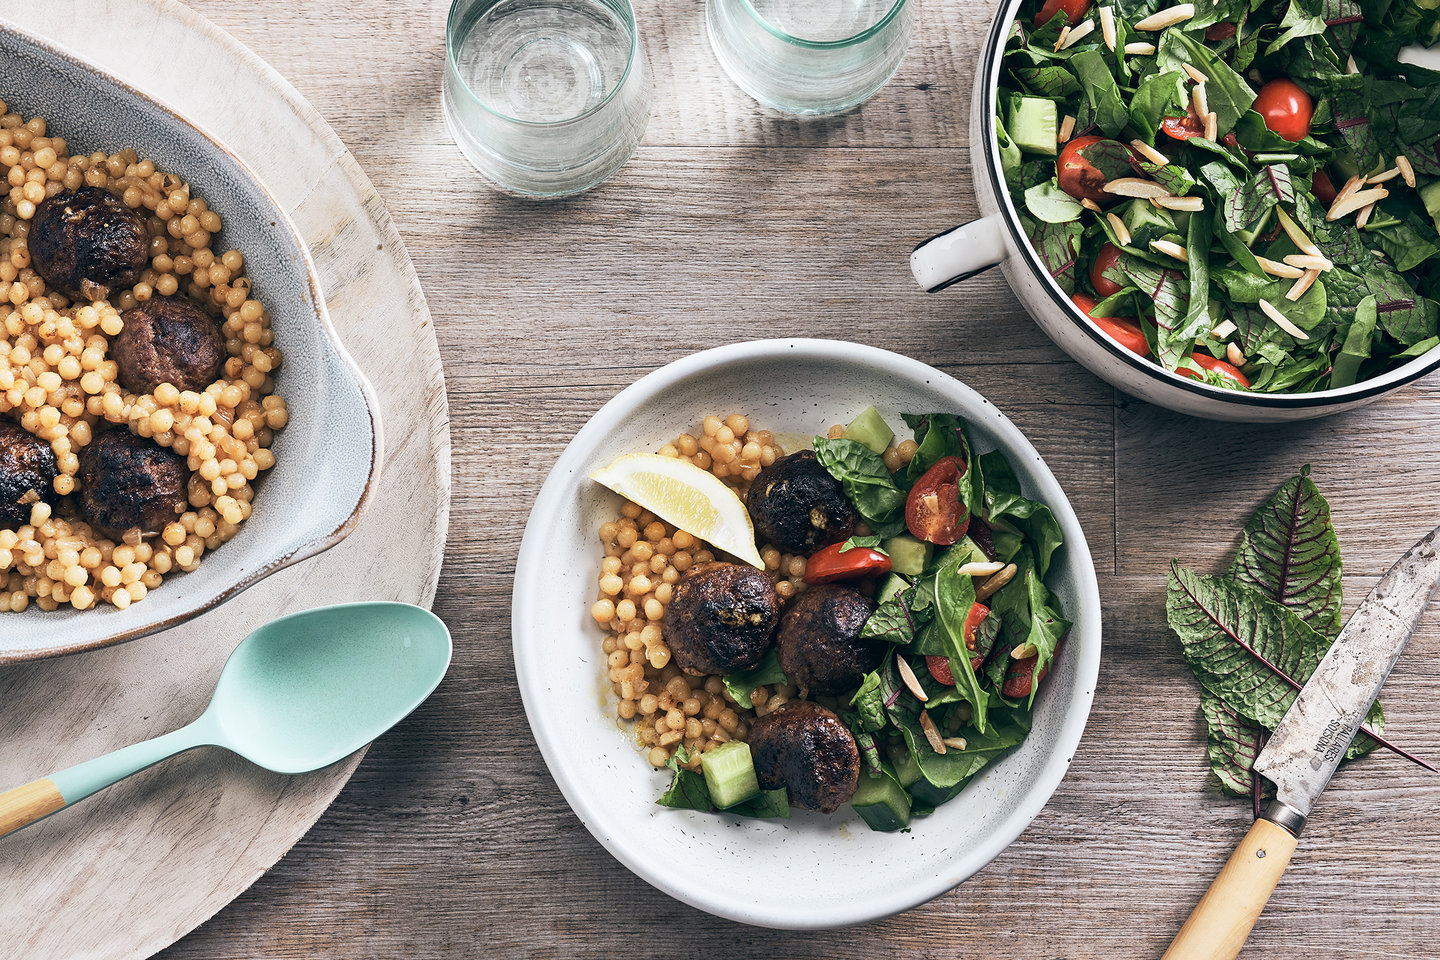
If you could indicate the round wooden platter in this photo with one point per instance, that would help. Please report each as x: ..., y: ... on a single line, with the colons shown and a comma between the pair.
x: 133, y: 869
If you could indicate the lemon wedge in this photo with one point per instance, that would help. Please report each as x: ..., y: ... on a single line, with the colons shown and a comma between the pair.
x: 683, y: 494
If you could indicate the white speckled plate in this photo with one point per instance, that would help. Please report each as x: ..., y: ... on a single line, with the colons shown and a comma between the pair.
x: 327, y: 458
x: 811, y: 871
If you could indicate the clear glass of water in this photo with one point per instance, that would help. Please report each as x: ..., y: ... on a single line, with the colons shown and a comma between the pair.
x: 810, y: 57
x: 545, y: 97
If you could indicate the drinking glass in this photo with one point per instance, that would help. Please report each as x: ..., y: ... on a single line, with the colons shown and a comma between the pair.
x: 809, y: 57
x: 545, y: 97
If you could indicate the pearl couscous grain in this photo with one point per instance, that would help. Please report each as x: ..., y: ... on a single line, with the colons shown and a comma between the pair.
x: 58, y: 381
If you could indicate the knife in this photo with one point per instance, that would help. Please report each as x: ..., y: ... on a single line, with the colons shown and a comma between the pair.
x: 1305, y: 749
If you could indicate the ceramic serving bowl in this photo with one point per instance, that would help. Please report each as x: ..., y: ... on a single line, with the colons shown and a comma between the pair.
x: 811, y: 871
x: 997, y: 238
x: 327, y: 458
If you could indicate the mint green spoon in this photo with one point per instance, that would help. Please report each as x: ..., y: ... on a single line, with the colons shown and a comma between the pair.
x: 296, y: 695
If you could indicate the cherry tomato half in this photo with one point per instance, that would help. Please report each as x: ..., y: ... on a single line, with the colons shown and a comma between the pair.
x: 1324, y: 190
x: 933, y: 511
x: 1105, y: 258
x: 1227, y: 370
x: 1183, y: 128
x: 1285, y: 108
x: 1073, y: 10
x: 1020, y: 677
x: 1123, y: 330
x: 940, y: 666
x: 829, y: 564
x: 1078, y: 176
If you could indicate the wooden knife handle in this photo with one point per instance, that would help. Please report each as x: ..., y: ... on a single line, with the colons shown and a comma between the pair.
x: 24, y: 805
x: 1217, y: 928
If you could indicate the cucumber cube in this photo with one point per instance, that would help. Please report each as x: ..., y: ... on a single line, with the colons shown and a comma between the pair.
x: 907, y: 554
x: 881, y: 801
x: 870, y: 429
x: 1034, y: 125
x: 730, y: 774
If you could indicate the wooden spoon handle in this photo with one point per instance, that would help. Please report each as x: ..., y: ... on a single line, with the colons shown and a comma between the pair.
x: 1219, y: 925
x: 24, y: 805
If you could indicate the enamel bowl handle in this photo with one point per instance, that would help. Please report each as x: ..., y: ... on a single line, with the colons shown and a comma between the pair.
x: 958, y: 254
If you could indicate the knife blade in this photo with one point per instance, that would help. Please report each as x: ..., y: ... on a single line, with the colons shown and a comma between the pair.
x: 1315, y: 732
x: 1307, y: 746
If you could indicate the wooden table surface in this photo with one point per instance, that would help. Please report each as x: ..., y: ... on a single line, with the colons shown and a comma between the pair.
x: 453, y: 841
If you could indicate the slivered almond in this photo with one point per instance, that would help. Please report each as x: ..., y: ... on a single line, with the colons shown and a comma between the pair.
x: 1199, y: 100
x: 1309, y: 262
x: 1225, y: 329
x: 1296, y: 235
x: 1107, y: 26
x: 1356, y: 200
x: 931, y: 734
x: 987, y: 589
x: 1406, y: 171
x: 1167, y: 17
x: 980, y: 569
x: 1067, y: 129
x: 1171, y: 249
x: 1351, y: 185
x: 1195, y: 75
x: 1148, y: 152
x: 1122, y: 232
x: 1383, y: 176
x: 1298, y: 290
x: 1364, y: 216
x: 1350, y: 66
x: 1276, y: 269
x: 955, y: 743
x: 1273, y: 312
x: 1064, y: 35
x: 1233, y: 354
x: 1135, y: 187
x: 1026, y: 649
x: 1192, y: 204
x: 912, y: 682
x: 1212, y: 126
x: 1090, y: 205
x: 1077, y: 34
x: 1139, y: 49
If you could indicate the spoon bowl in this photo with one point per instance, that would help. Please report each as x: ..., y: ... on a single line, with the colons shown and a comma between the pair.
x: 298, y: 694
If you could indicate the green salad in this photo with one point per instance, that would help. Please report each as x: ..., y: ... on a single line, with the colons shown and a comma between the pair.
x: 1246, y: 192
x: 962, y: 626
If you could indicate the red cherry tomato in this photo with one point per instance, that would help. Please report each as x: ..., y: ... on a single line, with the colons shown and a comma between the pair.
x: 1073, y: 10
x: 829, y: 564
x: 1104, y: 260
x: 1183, y: 128
x: 933, y: 511
x: 1020, y: 677
x: 940, y: 666
x: 1285, y: 108
x: 1324, y: 190
x: 1078, y: 176
x: 1230, y: 140
x: 1215, y: 366
x: 1223, y: 30
x: 1123, y: 330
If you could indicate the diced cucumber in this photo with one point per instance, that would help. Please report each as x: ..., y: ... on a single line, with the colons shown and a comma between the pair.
x: 907, y: 770
x: 730, y: 774
x: 1146, y: 222
x: 925, y: 793
x: 890, y: 587
x: 908, y: 555
x: 1430, y: 196
x: 964, y: 551
x: 881, y: 801
x: 870, y: 429
x: 1034, y: 124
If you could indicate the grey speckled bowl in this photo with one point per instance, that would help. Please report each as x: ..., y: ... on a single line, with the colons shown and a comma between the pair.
x: 328, y: 457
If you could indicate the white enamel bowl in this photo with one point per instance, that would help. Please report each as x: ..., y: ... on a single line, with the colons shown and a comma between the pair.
x: 997, y: 238
x: 811, y: 871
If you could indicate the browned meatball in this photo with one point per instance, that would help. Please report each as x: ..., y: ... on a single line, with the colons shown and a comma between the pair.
x: 720, y: 618
x: 128, y: 481
x: 168, y: 340
x: 819, y: 641
x: 809, y: 751
x: 796, y: 505
x: 87, y: 243
x: 27, y: 473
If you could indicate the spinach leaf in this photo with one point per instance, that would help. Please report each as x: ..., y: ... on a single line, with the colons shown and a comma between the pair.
x: 1107, y: 108
x: 1158, y: 96
x: 1005, y: 501
x: 1228, y: 94
x: 1356, y: 348
x: 867, y: 484
x: 954, y: 595
x: 1057, y: 246
x: 868, y: 543
x: 896, y: 620
x: 1047, y: 202
x: 865, y: 740
x: 766, y: 673
x: 869, y: 703
x: 1270, y: 185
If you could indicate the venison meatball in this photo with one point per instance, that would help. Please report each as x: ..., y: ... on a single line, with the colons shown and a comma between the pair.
x: 819, y: 641
x: 168, y: 340
x: 720, y: 618
x: 796, y: 505
x: 809, y: 751
x: 27, y: 473
x: 127, y: 481
x: 87, y: 243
